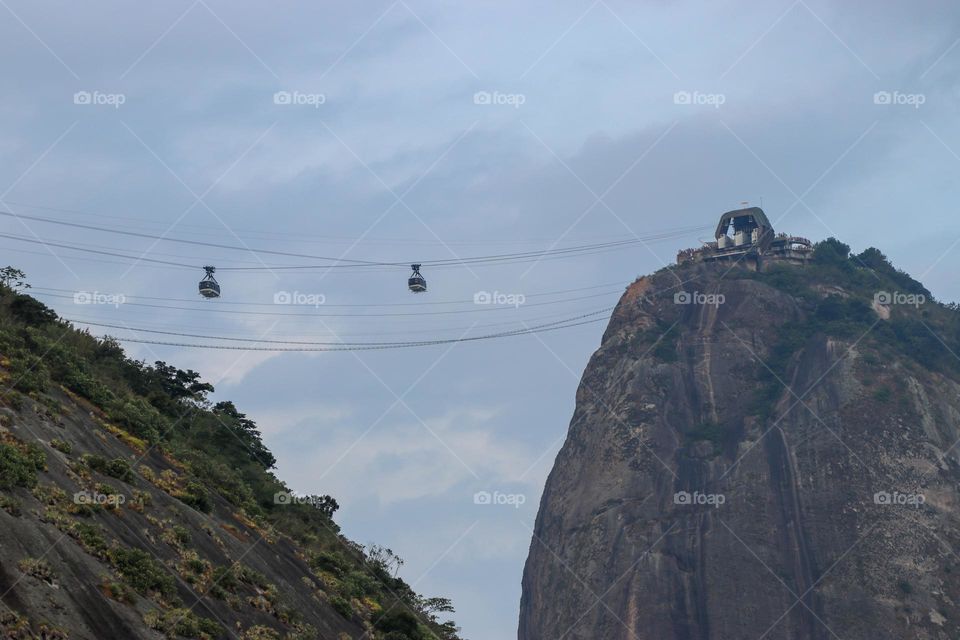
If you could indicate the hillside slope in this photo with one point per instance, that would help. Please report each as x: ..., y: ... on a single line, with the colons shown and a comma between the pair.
x: 131, y: 507
x: 770, y: 455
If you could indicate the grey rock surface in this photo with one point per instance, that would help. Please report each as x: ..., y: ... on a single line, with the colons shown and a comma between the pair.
x: 676, y: 510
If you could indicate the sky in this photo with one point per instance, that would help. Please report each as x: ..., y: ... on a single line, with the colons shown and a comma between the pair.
x: 413, y: 131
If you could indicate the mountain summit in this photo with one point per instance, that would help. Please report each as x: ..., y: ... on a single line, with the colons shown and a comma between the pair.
x: 760, y: 449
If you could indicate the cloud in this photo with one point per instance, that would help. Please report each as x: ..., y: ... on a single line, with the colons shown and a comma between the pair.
x: 403, y: 459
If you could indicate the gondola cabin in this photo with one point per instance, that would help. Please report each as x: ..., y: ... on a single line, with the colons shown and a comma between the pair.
x: 416, y: 282
x: 209, y: 287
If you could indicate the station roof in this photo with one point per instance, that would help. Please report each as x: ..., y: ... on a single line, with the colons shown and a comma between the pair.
x: 758, y: 216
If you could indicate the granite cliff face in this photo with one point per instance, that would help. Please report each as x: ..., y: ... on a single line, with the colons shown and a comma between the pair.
x: 764, y: 455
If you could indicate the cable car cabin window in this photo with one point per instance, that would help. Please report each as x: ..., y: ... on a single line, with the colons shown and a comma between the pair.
x: 209, y: 289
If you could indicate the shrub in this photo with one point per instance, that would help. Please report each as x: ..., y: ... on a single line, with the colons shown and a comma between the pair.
x: 11, y: 506
x: 28, y: 374
x: 117, y: 468
x: 31, y: 311
x: 95, y: 462
x: 302, y: 631
x: 81, y: 382
x: 831, y: 252
x: 181, y: 534
x: 342, y: 606
x: 11, y: 398
x: 142, y: 572
x: 402, y: 622
x: 225, y: 579
x: 182, y: 623
x: 331, y: 562
x: 37, y: 568
x: 358, y: 584
x: 49, y: 494
x: 117, y: 590
x: 90, y: 537
x: 61, y: 445
x: 715, y: 434
x: 120, y: 469
x: 251, y: 576
x: 16, y: 468
x: 883, y: 394
x: 260, y: 632
x: 139, y: 417
x: 195, y: 495
x: 140, y: 500
x: 663, y: 341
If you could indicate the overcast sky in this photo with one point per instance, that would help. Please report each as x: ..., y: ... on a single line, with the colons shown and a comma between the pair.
x: 594, y: 121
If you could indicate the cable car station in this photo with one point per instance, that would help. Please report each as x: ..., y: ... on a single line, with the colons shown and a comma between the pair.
x: 746, y: 236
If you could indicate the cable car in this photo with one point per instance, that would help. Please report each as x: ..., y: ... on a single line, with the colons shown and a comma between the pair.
x: 209, y: 287
x: 416, y: 282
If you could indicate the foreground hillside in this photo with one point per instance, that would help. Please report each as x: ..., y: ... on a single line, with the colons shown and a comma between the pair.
x: 132, y: 507
x: 764, y: 455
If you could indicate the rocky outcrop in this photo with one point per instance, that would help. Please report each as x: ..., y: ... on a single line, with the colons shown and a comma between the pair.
x: 728, y: 476
x: 69, y: 588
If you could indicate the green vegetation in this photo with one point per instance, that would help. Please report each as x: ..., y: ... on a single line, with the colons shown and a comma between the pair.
x: 143, y: 573
x: 37, y: 568
x: 14, y: 626
x: 19, y: 463
x: 90, y: 537
x: 49, y: 494
x: 715, y: 434
x: 883, y: 394
x: 218, y: 463
x: 334, y: 563
x: 342, y: 606
x: 195, y: 495
x: 837, y: 293
x: 663, y: 339
x: 11, y: 505
x: 402, y: 624
x: 116, y: 590
x: 174, y: 623
x: 61, y: 445
x: 224, y: 582
x: 181, y: 535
